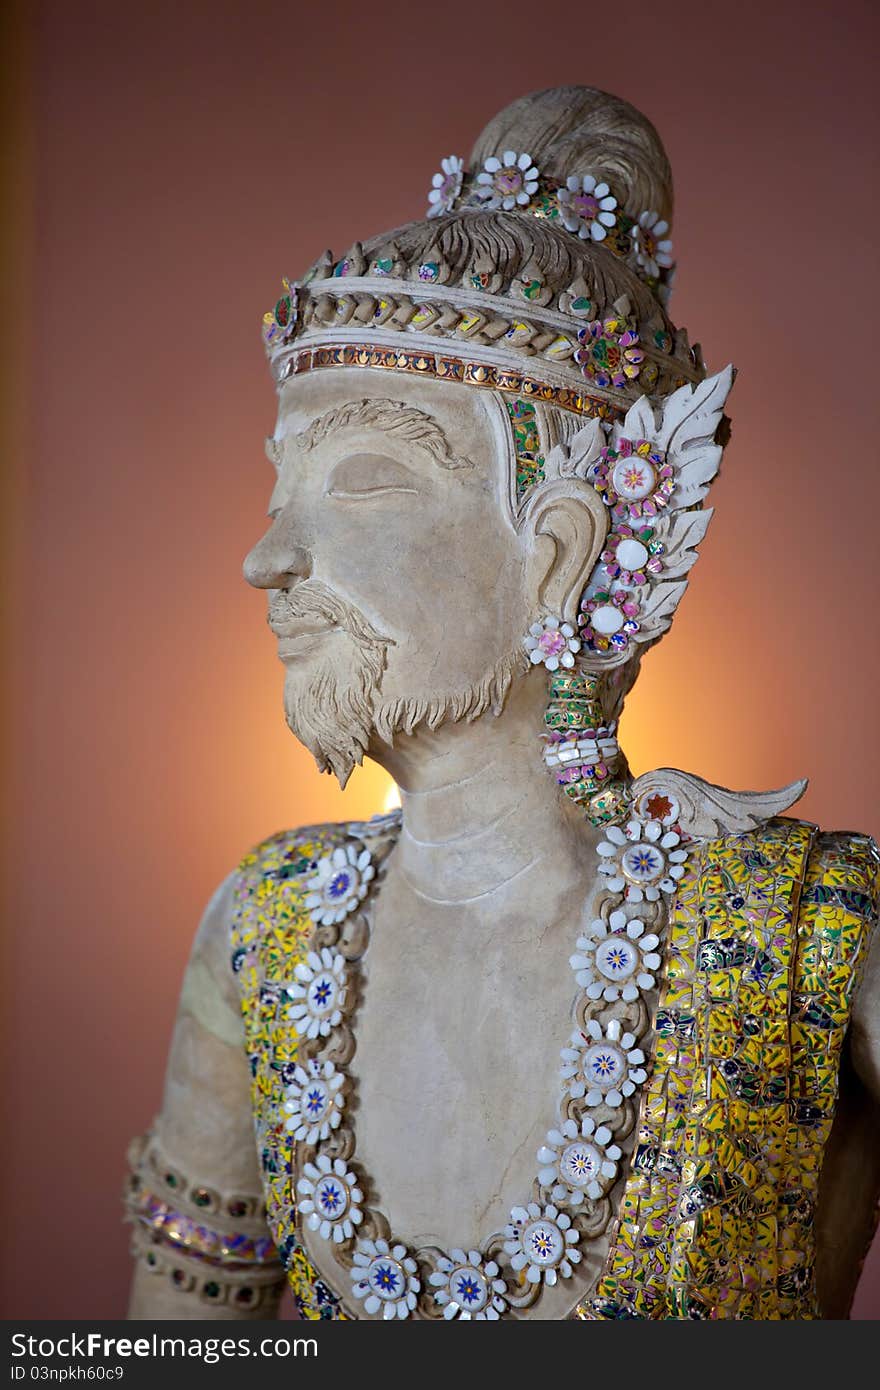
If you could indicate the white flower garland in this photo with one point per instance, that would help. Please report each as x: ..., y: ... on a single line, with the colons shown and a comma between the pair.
x: 615, y: 960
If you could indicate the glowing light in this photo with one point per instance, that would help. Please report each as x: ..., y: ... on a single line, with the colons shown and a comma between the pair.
x: 392, y: 799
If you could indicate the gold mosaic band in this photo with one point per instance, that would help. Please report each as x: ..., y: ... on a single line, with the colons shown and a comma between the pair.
x: 179, y: 1231
x: 446, y: 368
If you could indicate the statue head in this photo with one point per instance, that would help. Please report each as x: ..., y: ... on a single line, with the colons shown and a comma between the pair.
x: 492, y: 448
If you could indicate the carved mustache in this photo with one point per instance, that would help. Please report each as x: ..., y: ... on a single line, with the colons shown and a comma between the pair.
x: 313, y: 604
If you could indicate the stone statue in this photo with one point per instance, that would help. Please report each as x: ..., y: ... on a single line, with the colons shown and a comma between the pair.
x: 552, y: 1041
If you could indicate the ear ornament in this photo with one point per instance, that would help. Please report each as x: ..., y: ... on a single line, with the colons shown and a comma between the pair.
x: 552, y: 643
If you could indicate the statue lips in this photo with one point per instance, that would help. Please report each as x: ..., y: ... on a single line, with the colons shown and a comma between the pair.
x: 299, y: 636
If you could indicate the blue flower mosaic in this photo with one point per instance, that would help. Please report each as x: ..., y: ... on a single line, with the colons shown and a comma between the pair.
x: 386, y: 1278
x: 339, y: 885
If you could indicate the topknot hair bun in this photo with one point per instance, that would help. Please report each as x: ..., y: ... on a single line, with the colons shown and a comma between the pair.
x: 574, y: 130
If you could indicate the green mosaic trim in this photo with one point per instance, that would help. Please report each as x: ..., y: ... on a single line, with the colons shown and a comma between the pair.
x: 575, y: 704
x: 527, y: 446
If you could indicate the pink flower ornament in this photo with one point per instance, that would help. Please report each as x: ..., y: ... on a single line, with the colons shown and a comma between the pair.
x: 552, y: 643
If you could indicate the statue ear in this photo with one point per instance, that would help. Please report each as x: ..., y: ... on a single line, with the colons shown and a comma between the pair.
x: 564, y: 528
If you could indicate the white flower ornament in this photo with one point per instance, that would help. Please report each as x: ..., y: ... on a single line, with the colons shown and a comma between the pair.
x: 466, y: 1288
x: 508, y: 182
x: 339, y: 884
x: 318, y: 994
x: 653, y: 251
x: 579, y: 1161
x: 552, y: 643
x: 445, y: 186
x: 314, y: 1101
x: 586, y: 207
x: 329, y: 1197
x: 603, y: 1067
x: 615, y: 960
x: 541, y: 1241
x: 642, y: 861
x: 385, y: 1277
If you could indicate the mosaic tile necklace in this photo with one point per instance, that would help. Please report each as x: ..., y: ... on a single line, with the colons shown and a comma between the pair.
x: 603, y: 1065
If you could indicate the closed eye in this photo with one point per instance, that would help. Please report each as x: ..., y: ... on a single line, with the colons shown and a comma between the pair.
x: 369, y: 475
x: 368, y: 492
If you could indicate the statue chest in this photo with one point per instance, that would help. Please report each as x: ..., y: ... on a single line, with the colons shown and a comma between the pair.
x: 458, y: 1036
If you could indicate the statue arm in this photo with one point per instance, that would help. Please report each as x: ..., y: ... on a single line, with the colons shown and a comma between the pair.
x: 865, y: 1023
x: 195, y: 1181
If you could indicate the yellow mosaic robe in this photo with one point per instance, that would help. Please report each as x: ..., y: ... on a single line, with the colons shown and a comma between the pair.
x: 767, y: 936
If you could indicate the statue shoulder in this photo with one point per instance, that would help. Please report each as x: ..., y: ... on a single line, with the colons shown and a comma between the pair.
x: 839, y: 869
x: 292, y: 853
x: 849, y: 862
x: 296, y: 880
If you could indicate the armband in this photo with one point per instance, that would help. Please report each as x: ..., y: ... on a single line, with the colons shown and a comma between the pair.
x: 212, y: 1244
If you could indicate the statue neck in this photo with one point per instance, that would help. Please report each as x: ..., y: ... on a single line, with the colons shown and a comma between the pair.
x: 482, y: 817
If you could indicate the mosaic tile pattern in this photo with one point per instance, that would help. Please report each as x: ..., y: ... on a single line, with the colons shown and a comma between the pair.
x: 269, y: 938
x: 194, y: 1238
x: 574, y: 710
x: 767, y: 936
x: 445, y: 367
x: 527, y: 447
x: 717, y: 1216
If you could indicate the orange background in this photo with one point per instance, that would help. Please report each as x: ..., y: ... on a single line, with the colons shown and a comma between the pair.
x: 169, y: 162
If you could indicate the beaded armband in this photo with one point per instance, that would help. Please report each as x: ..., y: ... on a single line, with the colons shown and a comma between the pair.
x: 204, y: 1242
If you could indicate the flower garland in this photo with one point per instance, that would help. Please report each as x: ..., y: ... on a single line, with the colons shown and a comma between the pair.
x: 602, y: 1066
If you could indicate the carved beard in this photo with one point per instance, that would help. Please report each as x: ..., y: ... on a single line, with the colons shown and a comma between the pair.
x: 332, y: 713
x: 338, y: 712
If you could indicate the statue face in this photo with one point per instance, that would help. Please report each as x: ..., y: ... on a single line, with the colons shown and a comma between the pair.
x: 396, y: 577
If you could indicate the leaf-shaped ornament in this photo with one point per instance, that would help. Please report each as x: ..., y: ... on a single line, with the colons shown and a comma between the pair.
x: 680, y: 534
x: 659, y: 609
x: 638, y: 423
x: 687, y: 429
x: 575, y: 459
x: 705, y: 810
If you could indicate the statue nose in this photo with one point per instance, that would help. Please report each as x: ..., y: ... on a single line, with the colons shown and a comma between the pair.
x: 275, y: 563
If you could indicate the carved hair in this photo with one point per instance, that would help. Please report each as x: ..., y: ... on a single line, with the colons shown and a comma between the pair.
x: 510, y: 246
x: 566, y: 129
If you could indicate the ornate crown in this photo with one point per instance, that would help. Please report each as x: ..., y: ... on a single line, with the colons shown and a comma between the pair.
x: 564, y: 304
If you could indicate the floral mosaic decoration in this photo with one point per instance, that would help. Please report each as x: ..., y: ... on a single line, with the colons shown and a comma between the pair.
x: 280, y: 323
x: 652, y: 474
x: 508, y: 182
x: 609, y: 353
x: 584, y: 205
x: 771, y: 903
x: 445, y: 186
